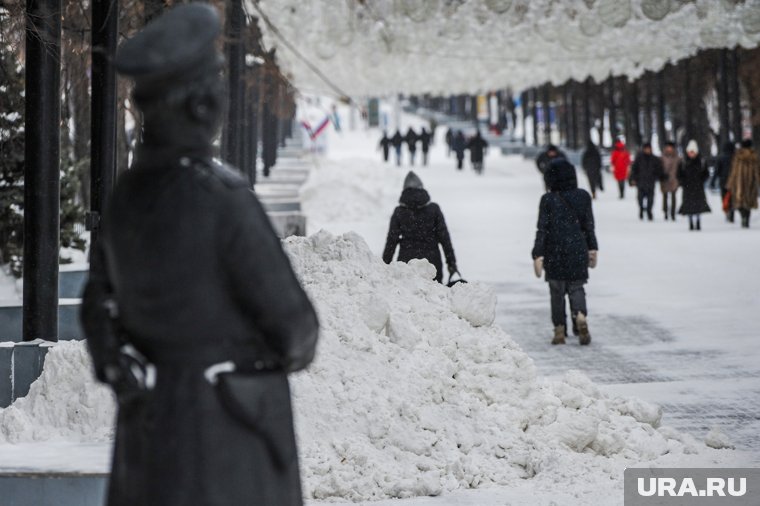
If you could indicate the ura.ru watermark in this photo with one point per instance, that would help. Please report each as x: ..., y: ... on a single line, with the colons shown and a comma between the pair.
x: 692, y: 487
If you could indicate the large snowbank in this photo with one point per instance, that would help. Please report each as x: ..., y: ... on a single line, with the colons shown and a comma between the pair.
x: 445, y: 46
x: 413, y: 392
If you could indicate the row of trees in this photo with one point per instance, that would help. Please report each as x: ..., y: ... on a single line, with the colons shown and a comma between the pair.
x: 266, y: 91
x: 712, y: 97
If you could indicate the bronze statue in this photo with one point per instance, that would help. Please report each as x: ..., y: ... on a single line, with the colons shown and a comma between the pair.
x: 192, y: 312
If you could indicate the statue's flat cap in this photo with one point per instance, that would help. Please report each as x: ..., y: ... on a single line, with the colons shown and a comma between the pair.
x: 179, y: 40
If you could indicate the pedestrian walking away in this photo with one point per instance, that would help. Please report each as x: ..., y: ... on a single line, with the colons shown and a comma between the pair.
x: 397, y: 141
x: 385, y: 145
x: 459, y: 144
x: 691, y: 177
x: 720, y: 177
x: 669, y: 182
x: 449, y: 141
x: 425, y: 140
x: 591, y: 161
x: 418, y: 228
x: 477, y: 146
x: 620, y: 160
x: 411, y: 142
x: 744, y: 180
x: 188, y: 280
x: 646, y: 171
x: 565, y: 247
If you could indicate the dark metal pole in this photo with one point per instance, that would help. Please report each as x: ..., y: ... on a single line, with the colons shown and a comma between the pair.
x: 547, y: 115
x: 573, y: 114
x: 662, y: 135
x: 633, y: 90
x: 105, y: 31
x: 524, y: 105
x: 231, y: 134
x: 534, y: 106
x: 647, y: 80
x: 736, y: 96
x: 613, y: 108
x: 723, y: 97
x: 42, y: 169
x: 602, y: 110
x: 587, y: 112
x: 688, y: 114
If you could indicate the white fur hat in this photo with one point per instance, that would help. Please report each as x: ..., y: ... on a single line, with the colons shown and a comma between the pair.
x: 692, y: 146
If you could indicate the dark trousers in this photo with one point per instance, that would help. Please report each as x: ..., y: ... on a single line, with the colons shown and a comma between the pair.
x: 574, y: 291
x: 478, y: 167
x: 621, y: 187
x: 646, y: 195
x: 398, y: 155
x: 411, y: 157
x: 669, y: 210
x: 424, y: 157
x: 459, y: 161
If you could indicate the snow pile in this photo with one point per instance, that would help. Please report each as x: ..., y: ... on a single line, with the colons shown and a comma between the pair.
x: 64, y: 403
x: 413, y: 392
x: 407, y: 397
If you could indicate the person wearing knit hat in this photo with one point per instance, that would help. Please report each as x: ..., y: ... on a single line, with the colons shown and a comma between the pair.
x: 744, y: 180
x: 692, y: 176
x: 418, y: 228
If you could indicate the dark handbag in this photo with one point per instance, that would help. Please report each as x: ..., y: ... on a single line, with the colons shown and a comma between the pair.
x: 453, y: 282
x: 261, y: 402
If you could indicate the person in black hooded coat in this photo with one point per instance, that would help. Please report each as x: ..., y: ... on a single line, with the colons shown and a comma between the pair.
x: 418, y: 227
x: 565, y: 246
x: 591, y: 161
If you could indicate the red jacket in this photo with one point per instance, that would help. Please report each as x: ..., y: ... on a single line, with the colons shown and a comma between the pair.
x: 620, y: 160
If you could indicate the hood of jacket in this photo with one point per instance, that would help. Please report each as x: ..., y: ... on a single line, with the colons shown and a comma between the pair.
x: 560, y: 176
x: 619, y: 146
x: 414, y: 198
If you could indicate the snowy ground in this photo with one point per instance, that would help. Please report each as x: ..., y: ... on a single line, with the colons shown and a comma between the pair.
x: 674, y: 314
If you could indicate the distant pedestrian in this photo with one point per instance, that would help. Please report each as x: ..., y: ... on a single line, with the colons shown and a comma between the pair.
x: 722, y: 173
x: 385, y: 145
x: 458, y: 145
x: 565, y: 247
x: 692, y: 176
x: 744, y: 180
x: 620, y: 160
x: 397, y: 140
x: 669, y: 182
x: 411, y: 142
x: 418, y: 228
x: 591, y: 160
x: 545, y: 158
x: 645, y: 172
x: 477, y: 146
x: 425, y: 140
x: 433, y: 128
x: 449, y: 141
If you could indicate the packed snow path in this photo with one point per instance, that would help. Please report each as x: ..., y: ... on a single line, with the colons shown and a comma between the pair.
x: 674, y: 315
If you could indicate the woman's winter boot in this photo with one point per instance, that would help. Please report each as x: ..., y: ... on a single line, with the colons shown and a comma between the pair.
x: 584, y: 337
x: 559, y: 335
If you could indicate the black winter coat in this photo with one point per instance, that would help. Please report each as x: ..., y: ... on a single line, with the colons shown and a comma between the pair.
x: 199, y: 277
x: 723, y: 168
x: 477, y: 145
x: 459, y: 144
x: 411, y: 140
x: 565, y: 230
x: 397, y: 140
x: 425, y: 137
x: 692, y: 175
x: 418, y: 227
x: 591, y: 161
x: 646, y: 171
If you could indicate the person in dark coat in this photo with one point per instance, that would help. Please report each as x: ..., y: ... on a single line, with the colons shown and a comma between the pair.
x: 692, y: 176
x: 591, y: 161
x: 411, y: 142
x: 744, y: 181
x: 545, y: 157
x: 397, y: 141
x: 188, y: 280
x: 459, y: 144
x: 477, y: 146
x: 385, y: 145
x: 722, y: 172
x: 449, y: 141
x: 417, y: 228
x: 565, y: 247
x: 646, y: 171
x: 425, y: 138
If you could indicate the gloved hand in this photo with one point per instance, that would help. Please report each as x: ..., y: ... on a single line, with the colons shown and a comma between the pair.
x: 538, y: 266
x: 453, y: 269
x: 592, y: 257
x: 128, y: 375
